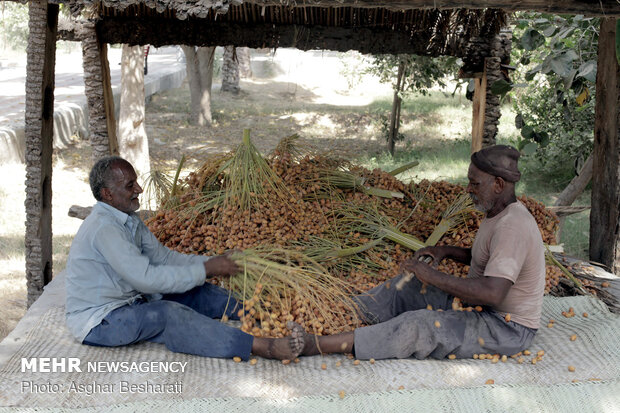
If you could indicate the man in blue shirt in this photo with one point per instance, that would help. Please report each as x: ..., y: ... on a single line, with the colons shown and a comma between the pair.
x: 124, y: 287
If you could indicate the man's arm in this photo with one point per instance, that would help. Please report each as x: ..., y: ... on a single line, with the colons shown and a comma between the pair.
x: 137, y: 269
x: 489, y: 291
x: 159, y: 254
x: 438, y: 253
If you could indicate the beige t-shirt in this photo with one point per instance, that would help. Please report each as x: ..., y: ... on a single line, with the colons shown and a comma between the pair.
x: 510, y: 246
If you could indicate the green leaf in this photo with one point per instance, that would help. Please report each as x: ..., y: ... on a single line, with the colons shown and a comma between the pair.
x: 568, y: 80
x: 561, y: 63
x: 543, y: 139
x: 523, y: 23
x: 550, y: 31
x: 530, y: 148
x: 565, y: 32
x: 532, y: 39
x: 519, y: 123
x: 527, y: 131
x: 587, y: 70
x: 500, y: 87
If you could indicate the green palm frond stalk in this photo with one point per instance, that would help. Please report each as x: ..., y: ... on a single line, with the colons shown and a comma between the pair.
x: 455, y: 215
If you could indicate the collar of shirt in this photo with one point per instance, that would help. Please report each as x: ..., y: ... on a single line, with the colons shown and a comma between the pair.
x: 128, y: 220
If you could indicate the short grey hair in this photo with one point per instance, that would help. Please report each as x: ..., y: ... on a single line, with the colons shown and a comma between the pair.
x: 99, y: 176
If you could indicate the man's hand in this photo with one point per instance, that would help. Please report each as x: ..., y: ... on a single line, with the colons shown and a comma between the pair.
x: 418, y: 268
x: 430, y: 255
x: 220, y: 265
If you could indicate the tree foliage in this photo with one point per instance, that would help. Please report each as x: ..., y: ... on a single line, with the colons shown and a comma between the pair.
x: 13, y: 25
x: 555, y: 103
x: 408, y: 74
x: 421, y: 72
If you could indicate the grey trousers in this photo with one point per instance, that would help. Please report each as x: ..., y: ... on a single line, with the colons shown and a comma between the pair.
x: 402, y: 327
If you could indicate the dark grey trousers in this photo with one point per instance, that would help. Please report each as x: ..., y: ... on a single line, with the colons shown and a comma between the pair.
x: 402, y: 327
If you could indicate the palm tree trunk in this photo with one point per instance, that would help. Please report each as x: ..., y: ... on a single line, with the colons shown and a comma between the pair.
x: 39, y: 126
x: 230, y: 71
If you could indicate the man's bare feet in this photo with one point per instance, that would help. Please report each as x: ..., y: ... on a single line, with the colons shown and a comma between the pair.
x: 313, y: 344
x: 311, y: 341
x: 286, y: 348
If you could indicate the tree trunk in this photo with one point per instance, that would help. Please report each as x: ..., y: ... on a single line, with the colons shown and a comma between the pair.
x: 573, y: 190
x: 244, y: 58
x: 97, y: 86
x: 576, y: 185
x: 230, y: 71
x: 395, y: 115
x: 39, y: 127
x: 605, y: 213
x: 132, y: 140
x: 199, y: 66
x: 206, y: 56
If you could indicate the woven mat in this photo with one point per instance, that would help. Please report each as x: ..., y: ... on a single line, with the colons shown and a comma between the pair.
x: 215, y: 384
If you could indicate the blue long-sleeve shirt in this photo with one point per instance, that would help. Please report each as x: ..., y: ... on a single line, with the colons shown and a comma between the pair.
x: 114, y: 259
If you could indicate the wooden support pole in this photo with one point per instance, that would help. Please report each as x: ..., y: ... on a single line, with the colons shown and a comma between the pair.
x: 478, y: 111
x: 605, y: 214
x: 43, y: 26
x: 108, y: 98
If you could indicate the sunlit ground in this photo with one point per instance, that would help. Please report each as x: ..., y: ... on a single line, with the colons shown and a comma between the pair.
x: 69, y: 187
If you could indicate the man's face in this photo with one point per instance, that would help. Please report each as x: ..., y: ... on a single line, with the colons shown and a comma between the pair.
x: 123, y: 190
x: 481, y: 189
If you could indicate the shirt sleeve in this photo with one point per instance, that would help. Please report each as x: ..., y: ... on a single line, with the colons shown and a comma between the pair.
x: 126, y: 259
x: 160, y: 254
x: 507, y: 253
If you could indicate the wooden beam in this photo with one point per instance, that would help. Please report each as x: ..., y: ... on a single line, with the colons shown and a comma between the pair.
x: 605, y: 214
x: 478, y: 111
x: 41, y: 60
x: 609, y: 8
x: 108, y: 98
x: 194, y: 32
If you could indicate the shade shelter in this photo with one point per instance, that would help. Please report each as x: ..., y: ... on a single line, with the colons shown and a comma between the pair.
x: 467, y: 29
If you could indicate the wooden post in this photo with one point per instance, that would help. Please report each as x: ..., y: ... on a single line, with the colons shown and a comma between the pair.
x: 478, y: 110
x: 605, y: 214
x: 108, y: 98
x: 43, y: 26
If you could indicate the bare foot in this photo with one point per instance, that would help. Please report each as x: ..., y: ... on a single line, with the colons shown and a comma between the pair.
x: 286, y: 348
x: 311, y: 341
x: 313, y: 344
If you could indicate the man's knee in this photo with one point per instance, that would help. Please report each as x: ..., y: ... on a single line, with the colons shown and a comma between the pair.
x: 170, y: 309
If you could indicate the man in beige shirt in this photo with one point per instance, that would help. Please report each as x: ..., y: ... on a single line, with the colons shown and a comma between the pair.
x: 506, y: 277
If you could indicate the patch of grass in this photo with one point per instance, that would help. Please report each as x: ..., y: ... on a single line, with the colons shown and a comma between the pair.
x: 439, y: 160
x: 422, y: 104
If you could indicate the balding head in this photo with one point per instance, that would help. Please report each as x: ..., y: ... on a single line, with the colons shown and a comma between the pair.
x: 101, y: 174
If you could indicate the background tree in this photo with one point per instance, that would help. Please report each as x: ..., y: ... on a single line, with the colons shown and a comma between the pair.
x: 230, y: 71
x: 133, y: 143
x: 199, y: 66
x: 13, y: 26
x: 555, y: 109
x: 409, y: 74
x: 244, y: 59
